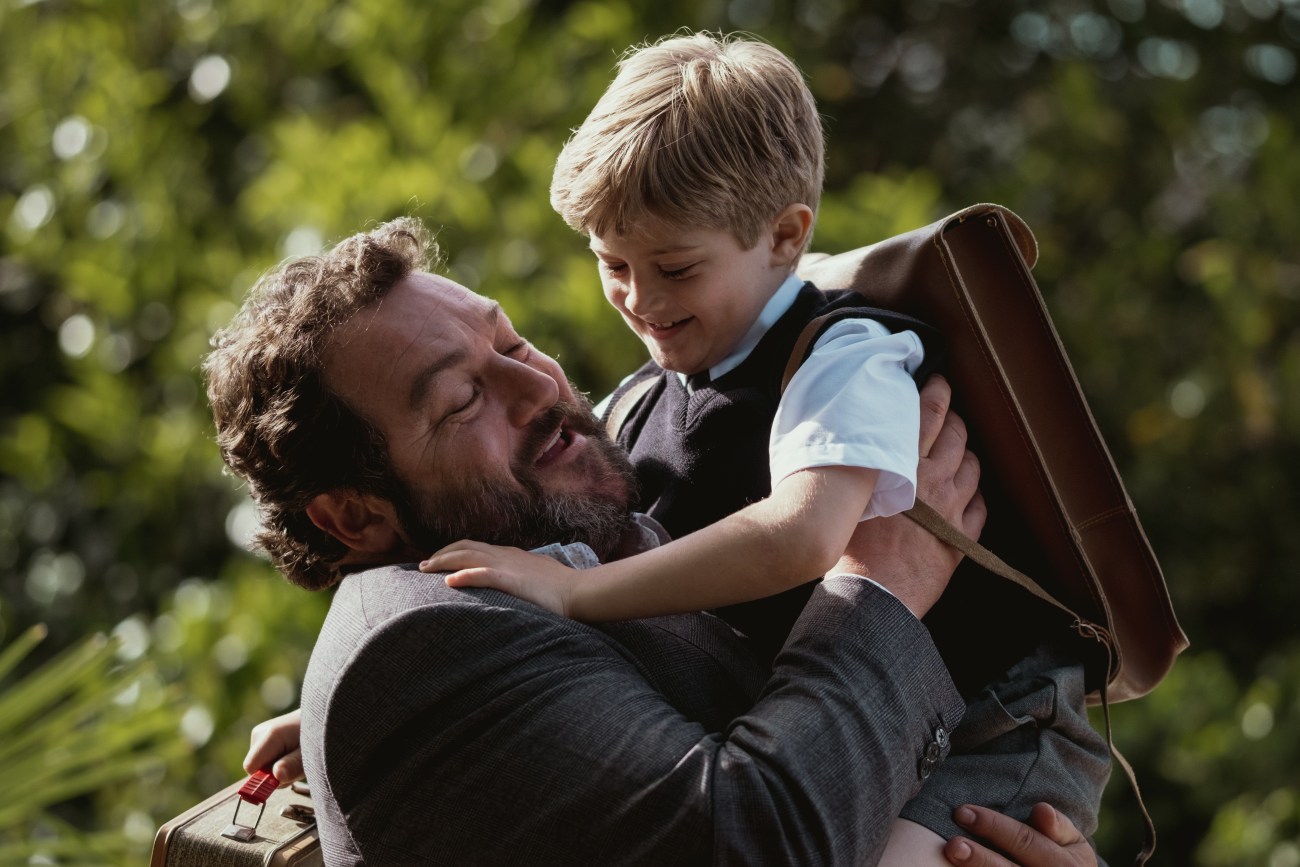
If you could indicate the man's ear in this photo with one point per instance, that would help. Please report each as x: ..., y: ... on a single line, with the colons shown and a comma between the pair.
x: 790, y: 231
x: 365, y: 523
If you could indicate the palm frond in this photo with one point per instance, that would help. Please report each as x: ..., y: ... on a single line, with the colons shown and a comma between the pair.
x: 80, y: 723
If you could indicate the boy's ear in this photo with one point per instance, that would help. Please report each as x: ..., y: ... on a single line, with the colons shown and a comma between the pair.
x: 365, y: 523
x: 790, y: 232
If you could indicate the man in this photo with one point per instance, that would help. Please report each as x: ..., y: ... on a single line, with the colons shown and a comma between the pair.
x: 378, y: 412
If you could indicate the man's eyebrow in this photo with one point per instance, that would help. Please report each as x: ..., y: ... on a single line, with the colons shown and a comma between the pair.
x: 423, y: 381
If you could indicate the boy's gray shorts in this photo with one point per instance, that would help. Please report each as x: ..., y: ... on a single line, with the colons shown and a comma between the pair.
x: 1024, y: 739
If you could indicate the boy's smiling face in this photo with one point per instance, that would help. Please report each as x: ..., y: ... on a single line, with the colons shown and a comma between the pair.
x: 691, y: 294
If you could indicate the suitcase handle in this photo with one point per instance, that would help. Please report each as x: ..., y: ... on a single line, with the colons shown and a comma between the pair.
x: 255, y: 790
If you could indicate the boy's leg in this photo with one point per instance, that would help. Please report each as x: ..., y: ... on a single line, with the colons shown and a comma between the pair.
x: 1025, y: 738
x: 913, y: 845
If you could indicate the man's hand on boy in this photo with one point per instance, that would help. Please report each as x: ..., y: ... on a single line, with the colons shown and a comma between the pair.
x: 1048, y: 839
x: 536, y: 578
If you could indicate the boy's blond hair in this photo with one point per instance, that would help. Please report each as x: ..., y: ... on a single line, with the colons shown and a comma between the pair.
x: 697, y: 131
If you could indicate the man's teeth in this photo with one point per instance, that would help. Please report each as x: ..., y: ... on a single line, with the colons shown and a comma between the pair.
x: 551, y: 443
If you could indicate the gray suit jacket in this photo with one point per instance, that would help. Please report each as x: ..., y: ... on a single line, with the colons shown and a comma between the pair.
x: 472, y: 728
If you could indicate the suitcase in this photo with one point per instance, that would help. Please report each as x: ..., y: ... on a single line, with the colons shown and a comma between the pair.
x: 232, y: 829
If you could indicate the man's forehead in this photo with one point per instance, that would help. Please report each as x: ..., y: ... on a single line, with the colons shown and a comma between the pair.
x: 422, y: 296
x: 419, y: 327
x: 452, y: 293
x: 435, y: 289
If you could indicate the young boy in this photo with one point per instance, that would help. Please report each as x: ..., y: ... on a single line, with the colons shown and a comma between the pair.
x: 697, y: 177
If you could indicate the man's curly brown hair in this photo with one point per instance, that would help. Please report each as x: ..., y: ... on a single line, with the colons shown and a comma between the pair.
x: 279, y: 426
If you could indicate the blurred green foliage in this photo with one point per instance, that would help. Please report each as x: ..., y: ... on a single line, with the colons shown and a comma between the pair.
x: 89, y: 719
x: 155, y: 157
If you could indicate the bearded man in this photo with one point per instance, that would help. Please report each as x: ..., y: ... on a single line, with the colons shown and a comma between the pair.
x: 378, y: 412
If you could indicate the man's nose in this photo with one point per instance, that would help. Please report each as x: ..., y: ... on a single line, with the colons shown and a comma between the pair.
x: 529, y: 391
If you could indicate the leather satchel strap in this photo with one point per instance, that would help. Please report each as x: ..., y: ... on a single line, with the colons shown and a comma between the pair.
x: 1148, y: 824
x: 925, y: 515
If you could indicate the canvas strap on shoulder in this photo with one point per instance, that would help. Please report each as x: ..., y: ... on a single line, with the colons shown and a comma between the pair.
x: 624, y: 405
x: 943, y: 530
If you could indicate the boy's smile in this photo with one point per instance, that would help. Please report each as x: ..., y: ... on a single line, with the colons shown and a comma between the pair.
x: 690, y: 294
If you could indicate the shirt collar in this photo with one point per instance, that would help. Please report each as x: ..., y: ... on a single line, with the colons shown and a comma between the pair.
x: 774, y: 309
x: 646, y: 533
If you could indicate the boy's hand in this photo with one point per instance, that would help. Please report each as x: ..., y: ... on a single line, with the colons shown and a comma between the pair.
x: 1047, y: 840
x: 273, y: 745
x: 532, y: 577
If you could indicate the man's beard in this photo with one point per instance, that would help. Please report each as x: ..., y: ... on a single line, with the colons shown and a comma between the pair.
x: 524, y: 515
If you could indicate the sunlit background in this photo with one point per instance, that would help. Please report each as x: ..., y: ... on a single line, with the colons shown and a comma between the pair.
x: 156, y: 155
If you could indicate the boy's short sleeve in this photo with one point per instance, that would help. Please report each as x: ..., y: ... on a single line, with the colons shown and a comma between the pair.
x: 854, y: 403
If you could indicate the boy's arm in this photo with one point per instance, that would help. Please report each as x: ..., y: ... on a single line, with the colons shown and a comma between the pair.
x: 793, y: 536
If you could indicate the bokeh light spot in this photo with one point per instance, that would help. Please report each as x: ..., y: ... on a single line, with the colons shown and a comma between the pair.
x: 210, y: 77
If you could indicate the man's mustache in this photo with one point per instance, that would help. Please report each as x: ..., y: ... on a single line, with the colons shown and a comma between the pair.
x: 576, y: 417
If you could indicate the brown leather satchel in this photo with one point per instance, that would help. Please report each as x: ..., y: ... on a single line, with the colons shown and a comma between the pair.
x: 1041, y: 453
x: 1062, y: 511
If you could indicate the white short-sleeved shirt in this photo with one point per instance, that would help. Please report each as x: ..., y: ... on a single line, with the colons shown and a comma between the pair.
x: 852, y: 403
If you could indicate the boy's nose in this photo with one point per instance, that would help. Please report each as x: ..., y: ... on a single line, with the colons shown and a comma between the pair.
x: 637, y: 297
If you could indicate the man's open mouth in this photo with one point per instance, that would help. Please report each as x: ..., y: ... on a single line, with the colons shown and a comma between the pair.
x: 555, y: 446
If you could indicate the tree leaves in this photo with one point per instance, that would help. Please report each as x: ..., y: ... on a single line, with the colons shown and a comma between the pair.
x: 154, y: 158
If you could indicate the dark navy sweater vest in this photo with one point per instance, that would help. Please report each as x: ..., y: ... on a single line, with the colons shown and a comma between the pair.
x: 701, y: 456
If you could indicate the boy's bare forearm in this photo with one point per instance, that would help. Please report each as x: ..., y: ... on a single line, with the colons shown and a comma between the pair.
x: 795, y: 535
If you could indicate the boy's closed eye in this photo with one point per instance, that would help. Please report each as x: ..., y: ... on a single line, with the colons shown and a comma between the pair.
x: 676, y: 273
x: 616, y: 269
